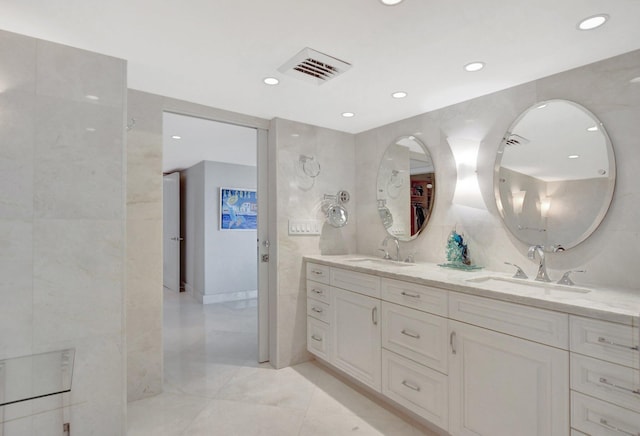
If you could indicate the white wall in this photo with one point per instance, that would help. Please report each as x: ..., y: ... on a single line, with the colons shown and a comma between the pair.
x: 62, y: 229
x: 220, y: 265
x: 610, y: 255
x: 296, y: 197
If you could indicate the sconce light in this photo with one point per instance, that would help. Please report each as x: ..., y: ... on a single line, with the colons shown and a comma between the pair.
x: 545, y: 205
x: 518, y: 201
x: 465, y: 153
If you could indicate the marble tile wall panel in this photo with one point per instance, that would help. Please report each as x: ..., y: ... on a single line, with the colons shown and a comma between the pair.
x: 144, y: 245
x: 603, y: 88
x: 62, y: 228
x: 301, y: 197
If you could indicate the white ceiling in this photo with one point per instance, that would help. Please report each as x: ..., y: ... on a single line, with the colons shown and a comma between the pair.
x: 217, y: 52
x: 202, y: 139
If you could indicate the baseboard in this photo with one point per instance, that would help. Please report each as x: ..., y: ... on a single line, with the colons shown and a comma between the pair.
x: 229, y: 296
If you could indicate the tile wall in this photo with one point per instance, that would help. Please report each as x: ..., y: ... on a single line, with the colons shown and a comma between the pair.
x: 610, y: 255
x: 62, y: 229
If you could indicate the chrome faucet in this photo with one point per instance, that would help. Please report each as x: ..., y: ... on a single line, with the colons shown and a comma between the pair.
x: 384, y: 244
x: 542, y: 268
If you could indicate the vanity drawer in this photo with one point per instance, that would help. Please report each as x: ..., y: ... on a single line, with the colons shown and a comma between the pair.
x: 416, y: 387
x: 598, y: 418
x: 366, y: 284
x: 318, y: 273
x: 617, y: 343
x: 319, y: 291
x: 614, y: 383
x: 318, y: 338
x: 414, y: 334
x: 319, y: 310
x: 432, y: 300
x: 538, y: 325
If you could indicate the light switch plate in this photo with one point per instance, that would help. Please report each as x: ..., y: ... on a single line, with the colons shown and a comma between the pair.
x: 304, y: 227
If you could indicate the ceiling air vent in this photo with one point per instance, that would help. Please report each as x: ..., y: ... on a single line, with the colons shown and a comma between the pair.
x: 514, y: 139
x: 313, y: 66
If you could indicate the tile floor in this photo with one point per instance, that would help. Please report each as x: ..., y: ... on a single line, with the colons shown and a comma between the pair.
x: 213, y: 385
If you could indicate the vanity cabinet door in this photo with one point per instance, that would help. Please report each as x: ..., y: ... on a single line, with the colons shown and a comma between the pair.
x: 356, y: 340
x: 501, y: 385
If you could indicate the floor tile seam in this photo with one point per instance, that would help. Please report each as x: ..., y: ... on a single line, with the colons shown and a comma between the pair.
x: 258, y: 403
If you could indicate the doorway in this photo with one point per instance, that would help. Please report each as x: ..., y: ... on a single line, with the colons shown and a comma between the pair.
x: 216, y: 264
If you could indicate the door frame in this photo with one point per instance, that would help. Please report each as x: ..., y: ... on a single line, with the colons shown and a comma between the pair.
x: 266, y: 281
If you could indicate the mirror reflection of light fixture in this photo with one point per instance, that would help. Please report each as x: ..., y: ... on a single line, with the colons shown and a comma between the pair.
x: 518, y: 201
x: 394, y: 183
x: 545, y: 205
x: 465, y: 153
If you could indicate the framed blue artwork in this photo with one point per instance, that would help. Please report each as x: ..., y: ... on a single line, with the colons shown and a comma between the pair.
x: 238, y: 209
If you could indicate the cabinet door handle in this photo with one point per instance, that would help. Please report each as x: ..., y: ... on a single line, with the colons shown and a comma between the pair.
x: 411, y: 386
x: 606, y: 341
x: 452, y: 340
x: 409, y: 294
x: 316, y: 310
x: 410, y: 334
x: 604, y: 381
x: 316, y: 338
x: 317, y: 291
x: 374, y: 315
x: 606, y: 424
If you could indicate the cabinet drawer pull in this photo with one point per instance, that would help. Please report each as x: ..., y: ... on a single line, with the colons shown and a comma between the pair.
x: 606, y: 341
x: 316, y: 272
x: 606, y: 424
x: 317, y: 291
x: 452, y: 339
x: 409, y: 294
x: 316, y: 310
x: 410, y: 334
x: 604, y: 381
x: 411, y: 386
x: 374, y: 315
x: 316, y: 338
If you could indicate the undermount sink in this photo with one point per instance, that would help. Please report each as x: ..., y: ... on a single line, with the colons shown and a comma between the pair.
x: 376, y: 261
x: 528, y: 286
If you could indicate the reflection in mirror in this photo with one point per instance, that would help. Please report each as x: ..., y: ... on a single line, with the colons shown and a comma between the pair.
x: 405, y: 188
x: 554, y: 175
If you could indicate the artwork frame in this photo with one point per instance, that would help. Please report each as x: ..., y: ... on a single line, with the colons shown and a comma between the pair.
x: 238, y: 209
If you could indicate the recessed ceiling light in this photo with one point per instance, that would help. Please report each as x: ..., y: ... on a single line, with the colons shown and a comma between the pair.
x: 348, y: 114
x: 592, y: 129
x: 635, y: 80
x: 176, y: 137
x: 593, y: 22
x: 295, y: 135
x: 390, y: 2
x: 92, y: 97
x: 90, y: 129
x: 399, y: 94
x: 474, y: 66
x: 573, y: 156
x: 542, y: 106
x: 271, y: 81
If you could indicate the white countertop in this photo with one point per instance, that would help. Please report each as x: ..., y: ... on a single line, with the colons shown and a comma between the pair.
x: 615, y: 305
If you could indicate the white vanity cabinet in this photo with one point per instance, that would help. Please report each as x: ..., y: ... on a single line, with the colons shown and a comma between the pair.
x: 500, y: 384
x: 605, y: 378
x: 356, y: 336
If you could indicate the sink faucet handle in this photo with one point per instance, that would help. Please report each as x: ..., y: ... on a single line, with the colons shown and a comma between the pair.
x: 519, y: 273
x: 386, y: 254
x: 566, y: 280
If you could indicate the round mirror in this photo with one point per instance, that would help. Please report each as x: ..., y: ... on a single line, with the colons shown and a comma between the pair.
x: 554, y: 175
x: 405, y: 188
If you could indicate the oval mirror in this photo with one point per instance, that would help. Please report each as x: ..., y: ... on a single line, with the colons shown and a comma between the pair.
x: 405, y: 188
x: 554, y: 175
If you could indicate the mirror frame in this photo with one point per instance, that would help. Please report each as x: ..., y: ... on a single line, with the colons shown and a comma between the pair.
x: 606, y: 202
x: 433, y: 197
